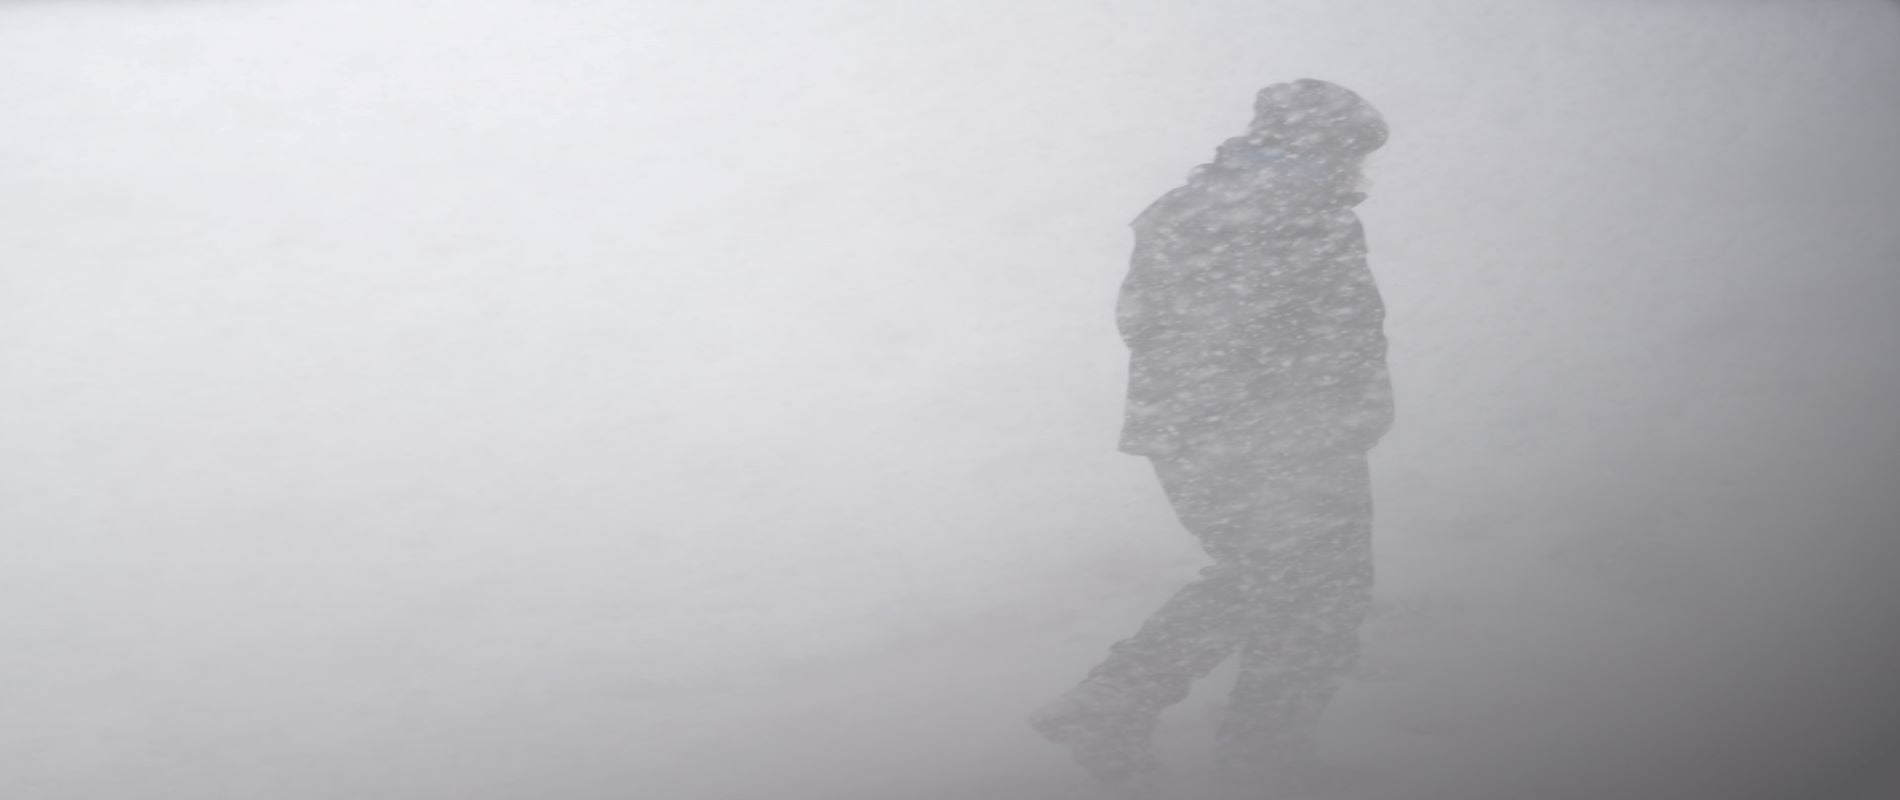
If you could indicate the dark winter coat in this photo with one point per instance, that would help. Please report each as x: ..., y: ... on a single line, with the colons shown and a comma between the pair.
x: 1253, y: 326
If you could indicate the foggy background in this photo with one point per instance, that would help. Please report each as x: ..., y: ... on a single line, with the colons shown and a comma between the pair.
x: 500, y: 399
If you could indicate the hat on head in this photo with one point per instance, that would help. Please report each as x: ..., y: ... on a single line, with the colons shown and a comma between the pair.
x: 1314, y: 115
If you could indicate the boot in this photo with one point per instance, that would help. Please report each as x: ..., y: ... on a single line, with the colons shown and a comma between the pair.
x: 1107, y: 734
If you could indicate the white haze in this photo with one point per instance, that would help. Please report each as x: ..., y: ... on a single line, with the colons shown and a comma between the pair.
x: 503, y: 399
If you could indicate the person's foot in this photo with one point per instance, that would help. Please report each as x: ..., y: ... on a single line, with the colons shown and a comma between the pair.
x: 1078, y: 711
x: 1107, y: 735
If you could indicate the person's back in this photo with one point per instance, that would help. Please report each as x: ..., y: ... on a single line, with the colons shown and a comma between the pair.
x: 1257, y: 382
x: 1248, y: 309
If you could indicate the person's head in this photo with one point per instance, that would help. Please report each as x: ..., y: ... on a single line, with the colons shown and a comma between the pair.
x: 1305, y: 133
x: 1313, y: 117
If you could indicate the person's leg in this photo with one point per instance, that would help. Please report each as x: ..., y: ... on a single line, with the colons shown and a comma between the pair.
x: 1287, y: 676
x: 1191, y: 634
x: 1106, y: 721
x: 1309, y: 598
x: 1207, y: 620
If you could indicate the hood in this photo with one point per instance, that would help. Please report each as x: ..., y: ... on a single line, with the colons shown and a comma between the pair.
x: 1315, y: 116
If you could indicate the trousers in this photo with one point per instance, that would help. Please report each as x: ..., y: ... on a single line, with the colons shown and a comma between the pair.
x: 1290, y: 583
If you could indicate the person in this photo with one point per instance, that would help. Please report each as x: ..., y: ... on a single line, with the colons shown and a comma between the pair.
x: 1257, y: 384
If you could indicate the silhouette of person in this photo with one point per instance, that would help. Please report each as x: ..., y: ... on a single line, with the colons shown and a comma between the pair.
x: 1257, y: 384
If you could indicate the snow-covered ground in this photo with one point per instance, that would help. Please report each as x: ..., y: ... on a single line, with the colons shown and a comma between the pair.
x: 497, y: 399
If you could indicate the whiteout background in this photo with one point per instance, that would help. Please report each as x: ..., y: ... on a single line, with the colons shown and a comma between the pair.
x: 577, y: 399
